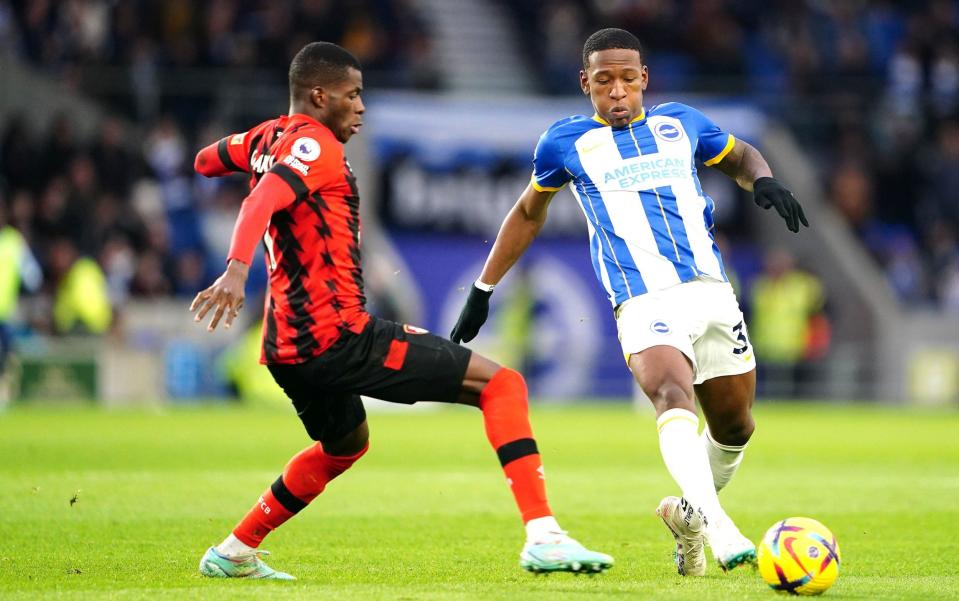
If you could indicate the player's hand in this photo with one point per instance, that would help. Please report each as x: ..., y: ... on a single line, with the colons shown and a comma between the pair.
x: 473, y: 316
x: 225, y: 296
x: 767, y: 192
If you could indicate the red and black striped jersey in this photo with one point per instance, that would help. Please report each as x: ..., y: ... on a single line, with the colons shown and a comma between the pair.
x: 313, y: 244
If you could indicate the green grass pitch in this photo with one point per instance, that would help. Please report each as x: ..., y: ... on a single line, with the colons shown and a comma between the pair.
x: 426, y: 514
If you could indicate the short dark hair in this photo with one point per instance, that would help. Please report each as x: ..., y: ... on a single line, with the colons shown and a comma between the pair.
x: 320, y: 64
x: 608, y: 39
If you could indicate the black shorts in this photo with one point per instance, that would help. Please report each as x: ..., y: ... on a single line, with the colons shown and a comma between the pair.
x: 388, y: 361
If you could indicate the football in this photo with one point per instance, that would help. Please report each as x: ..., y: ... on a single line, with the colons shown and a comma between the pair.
x: 799, y: 556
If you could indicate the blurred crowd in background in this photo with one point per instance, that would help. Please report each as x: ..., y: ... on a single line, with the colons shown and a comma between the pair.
x: 79, y: 40
x: 870, y: 88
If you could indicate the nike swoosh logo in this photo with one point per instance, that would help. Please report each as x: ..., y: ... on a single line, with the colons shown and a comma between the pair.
x: 591, y: 148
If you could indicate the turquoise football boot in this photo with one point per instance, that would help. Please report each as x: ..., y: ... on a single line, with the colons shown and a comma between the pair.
x: 215, y: 565
x: 563, y: 554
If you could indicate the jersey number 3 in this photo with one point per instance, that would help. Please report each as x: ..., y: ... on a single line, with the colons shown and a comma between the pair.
x: 740, y: 330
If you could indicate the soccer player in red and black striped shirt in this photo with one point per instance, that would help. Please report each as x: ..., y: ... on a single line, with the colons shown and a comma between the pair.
x: 321, y: 345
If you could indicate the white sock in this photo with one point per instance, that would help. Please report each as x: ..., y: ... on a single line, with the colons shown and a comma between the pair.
x: 688, y: 464
x: 234, y: 547
x: 724, y: 459
x: 544, y: 529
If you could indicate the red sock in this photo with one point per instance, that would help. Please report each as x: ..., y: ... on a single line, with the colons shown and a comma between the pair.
x: 303, y: 479
x: 506, y: 415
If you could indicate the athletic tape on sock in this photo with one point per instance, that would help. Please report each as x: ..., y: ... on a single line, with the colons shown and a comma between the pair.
x: 517, y: 449
x: 287, y: 499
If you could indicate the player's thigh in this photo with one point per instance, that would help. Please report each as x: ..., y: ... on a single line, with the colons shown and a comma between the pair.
x: 656, y: 319
x: 727, y: 406
x: 403, y: 364
x: 656, y: 338
x: 666, y: 376
x: 722, y: 348
x: 478, y: 373
x: 332, y: 417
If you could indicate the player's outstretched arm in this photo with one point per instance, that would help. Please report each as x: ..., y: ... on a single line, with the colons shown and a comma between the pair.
x: 519, y: 229
x: 226, y: 294
x: 747, y: 166
x: 223, y: 157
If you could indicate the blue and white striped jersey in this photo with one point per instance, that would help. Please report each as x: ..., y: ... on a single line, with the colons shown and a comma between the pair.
x: 650, y: 223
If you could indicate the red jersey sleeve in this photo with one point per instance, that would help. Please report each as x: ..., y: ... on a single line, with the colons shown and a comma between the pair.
x: 227, y: 155
x: 310, y: 160
x: 269, y: 195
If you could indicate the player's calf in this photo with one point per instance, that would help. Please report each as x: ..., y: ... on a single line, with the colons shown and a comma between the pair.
x: 304, y: 478
x: 506, y: 415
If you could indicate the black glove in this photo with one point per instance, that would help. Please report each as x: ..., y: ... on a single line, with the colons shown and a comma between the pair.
x: 473, y: 315
x: 767, y: 192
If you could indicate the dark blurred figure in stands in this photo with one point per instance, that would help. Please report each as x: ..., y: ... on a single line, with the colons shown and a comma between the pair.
x: 19, y: 155
x: 940, y: 202
x: 116, y: 165
x: 59, y: 147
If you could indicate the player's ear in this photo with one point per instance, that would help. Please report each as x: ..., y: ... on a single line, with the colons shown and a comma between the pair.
x: 584, y: 82
x: 645, y: 77
x: 318, y: 97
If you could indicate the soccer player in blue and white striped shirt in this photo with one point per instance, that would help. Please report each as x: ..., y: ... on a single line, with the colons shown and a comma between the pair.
x: 633, y: 172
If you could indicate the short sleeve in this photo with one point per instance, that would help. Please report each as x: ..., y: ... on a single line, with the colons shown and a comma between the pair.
x: 233, y: 152
x: 713, y: 143
x: 310, y: 160
x: 549, y: 168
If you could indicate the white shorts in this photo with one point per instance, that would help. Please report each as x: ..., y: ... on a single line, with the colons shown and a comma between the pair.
x: 701, y: 318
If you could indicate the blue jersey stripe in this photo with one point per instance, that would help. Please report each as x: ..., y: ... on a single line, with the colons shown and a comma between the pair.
x: 634, y: 140
x: 644, y: 138
x: 617, y: 279
x: 671, y: 240
x: 595, y: 252
x: 624, y: 276
x: 637, y: 285
x: 709, y: 223
x: 686, y: 268
x: 711, y: 230
x: 624, y: 142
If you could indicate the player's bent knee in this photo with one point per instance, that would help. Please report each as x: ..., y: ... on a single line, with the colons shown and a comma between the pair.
x: 736, y: 433
x: 514, y: 378
x: 506, y: 385
x: 479, y: 373
x: 351, y: 444
x: 745, y: 432
x: 669, y: 394
x: 505, y: 373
